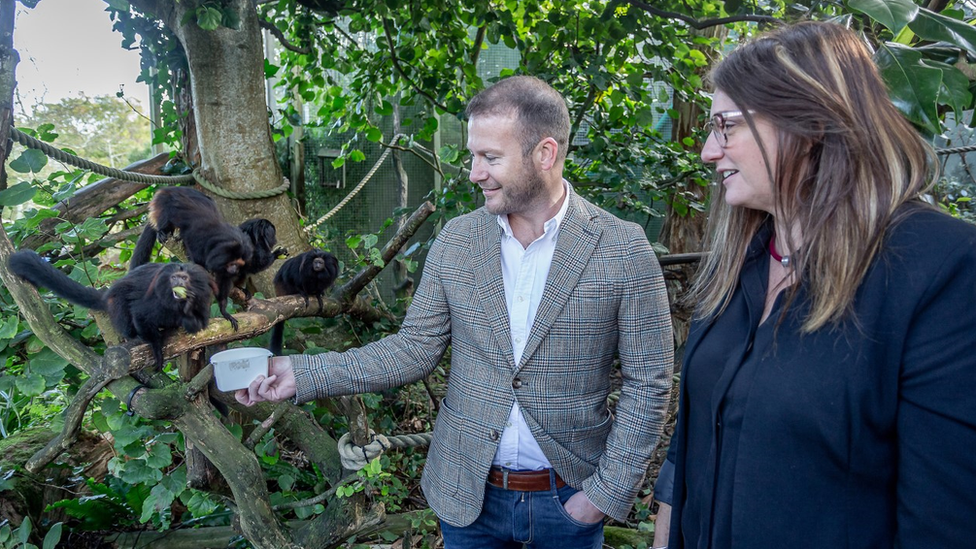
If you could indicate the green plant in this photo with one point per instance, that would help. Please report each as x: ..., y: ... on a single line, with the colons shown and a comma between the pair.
x: 18, y: 538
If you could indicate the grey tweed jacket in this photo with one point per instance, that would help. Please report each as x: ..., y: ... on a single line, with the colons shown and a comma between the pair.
x: 604, y: 297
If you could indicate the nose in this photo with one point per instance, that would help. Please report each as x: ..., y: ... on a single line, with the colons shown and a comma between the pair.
x: 478, y: 171
x: 711, y: 151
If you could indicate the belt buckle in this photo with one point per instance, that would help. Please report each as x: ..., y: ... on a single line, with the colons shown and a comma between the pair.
x: 505, y: 479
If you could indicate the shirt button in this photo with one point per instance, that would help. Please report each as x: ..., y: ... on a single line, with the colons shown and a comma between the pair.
x: 493, y: 434
x: 521, y: 299
x: 517, y: 383
x: 518, y: 340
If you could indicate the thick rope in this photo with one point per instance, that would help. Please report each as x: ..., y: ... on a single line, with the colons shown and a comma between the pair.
x: 355, y: 191
x: 67, y: 158
x: 355, y: 457
x: 955, y: 150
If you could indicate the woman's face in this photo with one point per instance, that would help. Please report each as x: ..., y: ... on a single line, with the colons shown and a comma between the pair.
x: 739, y: 160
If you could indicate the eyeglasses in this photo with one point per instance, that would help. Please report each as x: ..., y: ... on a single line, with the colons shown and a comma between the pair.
x: 720, y: 125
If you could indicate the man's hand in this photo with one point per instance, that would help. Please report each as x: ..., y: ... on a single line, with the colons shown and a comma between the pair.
x: 279, y: 385
x: 579, y: 507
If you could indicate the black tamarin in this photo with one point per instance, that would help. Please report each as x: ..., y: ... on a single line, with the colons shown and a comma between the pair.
x: 218, y: 246
x: 148, y: 303
x: 307, y: 274
x: 264, y: 240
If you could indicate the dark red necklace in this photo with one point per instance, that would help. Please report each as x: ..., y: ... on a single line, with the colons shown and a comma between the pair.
x: 783, y: 259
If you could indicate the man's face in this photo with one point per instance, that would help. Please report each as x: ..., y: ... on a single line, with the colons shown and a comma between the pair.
x: 509, y: 181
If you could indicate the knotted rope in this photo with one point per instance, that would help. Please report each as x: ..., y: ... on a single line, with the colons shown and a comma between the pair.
x: 355, y: 457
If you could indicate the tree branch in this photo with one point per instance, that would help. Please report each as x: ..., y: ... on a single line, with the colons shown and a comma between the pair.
x: 704, y: 24
x: 270, y: 27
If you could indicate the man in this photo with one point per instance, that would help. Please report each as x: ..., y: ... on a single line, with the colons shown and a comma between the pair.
x: 537, y: 293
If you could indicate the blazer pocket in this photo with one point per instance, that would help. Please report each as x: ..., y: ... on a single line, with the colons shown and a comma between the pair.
x: 587, y: 442
x: 443, y: 456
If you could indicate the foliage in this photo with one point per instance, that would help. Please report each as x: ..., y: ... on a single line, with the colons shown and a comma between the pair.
x: 354, y: 66
x: 19, y: 538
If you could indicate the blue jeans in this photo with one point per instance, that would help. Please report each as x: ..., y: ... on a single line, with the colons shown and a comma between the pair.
x: 537, y: 519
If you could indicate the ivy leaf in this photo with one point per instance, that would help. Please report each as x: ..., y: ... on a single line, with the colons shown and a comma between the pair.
x: 209, y: 18
x: 31, y: 160
x: 31, y: 385
x: 47, y: 363
x: 893, y: 14
x: 9, y: 327
x: 200, y: 505
x: 231, y: 19
x: 913, y: 87
x: 270, y: 69
x: 18, y: 194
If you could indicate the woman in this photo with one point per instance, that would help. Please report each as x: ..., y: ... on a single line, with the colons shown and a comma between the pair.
x: 829, y: 388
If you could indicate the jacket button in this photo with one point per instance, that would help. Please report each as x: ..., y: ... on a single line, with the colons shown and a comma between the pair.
x: 516, y: 383
x: 493, y: 434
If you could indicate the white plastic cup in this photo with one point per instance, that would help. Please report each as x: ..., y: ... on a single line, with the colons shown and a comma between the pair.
x: 236, y: 368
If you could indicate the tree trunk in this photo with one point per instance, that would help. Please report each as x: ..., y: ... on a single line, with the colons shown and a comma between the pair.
x: 232, y: 128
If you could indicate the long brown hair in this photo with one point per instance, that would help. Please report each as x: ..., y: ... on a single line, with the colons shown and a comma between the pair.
x: 847, y: 160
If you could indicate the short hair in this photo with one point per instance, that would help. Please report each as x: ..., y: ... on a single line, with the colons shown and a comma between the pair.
x: 847, y: 161
x: 539, y: 110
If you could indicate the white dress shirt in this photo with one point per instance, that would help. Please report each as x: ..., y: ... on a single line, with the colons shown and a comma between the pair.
x: 524, y: 271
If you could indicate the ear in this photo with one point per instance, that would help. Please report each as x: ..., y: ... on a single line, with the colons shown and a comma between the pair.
x: 546, y: 153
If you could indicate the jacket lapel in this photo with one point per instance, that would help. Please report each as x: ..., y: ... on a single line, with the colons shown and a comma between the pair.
x: 487, y: 256
x: 577, y: 239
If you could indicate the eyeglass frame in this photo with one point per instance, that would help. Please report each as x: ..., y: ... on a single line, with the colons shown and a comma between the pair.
x: 712, y: 128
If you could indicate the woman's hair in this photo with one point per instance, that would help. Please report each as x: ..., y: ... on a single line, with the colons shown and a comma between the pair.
x: 846, y: 161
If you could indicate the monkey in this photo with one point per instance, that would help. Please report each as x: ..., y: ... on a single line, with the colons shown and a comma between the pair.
x: 264, y: 239
x: 309, y: 273
x: 209, y: 241
x: 148, y: 303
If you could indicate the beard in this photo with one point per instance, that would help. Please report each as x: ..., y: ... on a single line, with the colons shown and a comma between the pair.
x: 521, y: 196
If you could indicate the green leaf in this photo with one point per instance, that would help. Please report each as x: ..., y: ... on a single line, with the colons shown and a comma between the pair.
x: 209, y: 18
x: 200, y: 505
x: 913, y: 87
x: 29, y: 161
x: 47, y: 363
x: 270, y: 69
x: 9, y: 327
x: 936, y: 27
x: 31, y: 385
x: 374, y: 135
x: 52, y: 537
x: 893, y: 14
x: 286, y: 482
x: 955, y: 88
x: 356, y: 155
x: 231, y: 19
x: 18, y: 194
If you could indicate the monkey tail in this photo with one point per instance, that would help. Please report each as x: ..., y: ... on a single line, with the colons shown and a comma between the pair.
x: 40, y: 273
x: 144, y: 247
x: 277, y: 338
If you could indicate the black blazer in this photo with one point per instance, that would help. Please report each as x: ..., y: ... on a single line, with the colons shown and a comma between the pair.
x: 863, y: 434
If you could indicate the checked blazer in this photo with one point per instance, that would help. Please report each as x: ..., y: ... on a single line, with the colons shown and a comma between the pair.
x: 604, y: 298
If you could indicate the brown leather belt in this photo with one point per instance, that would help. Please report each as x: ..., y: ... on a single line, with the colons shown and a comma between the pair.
x: 522, y: 481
